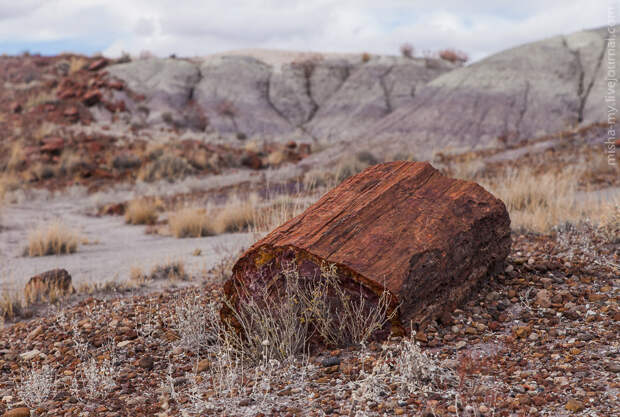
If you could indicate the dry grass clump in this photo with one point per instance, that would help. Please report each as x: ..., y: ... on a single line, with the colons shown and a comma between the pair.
x: 141, y: 211
x: 236, y: 216
x: 278, y: 211
x: 10, y: 305
x: 276, y: 158
x: 539, y: 201
x: 40, y: 98
x: 190, y: 222
x: 53, y: 239
x: 346, y: 168
x: 76, y: 64
x: 173, y: 271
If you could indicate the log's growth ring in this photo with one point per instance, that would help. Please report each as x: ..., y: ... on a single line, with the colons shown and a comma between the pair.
x: 399, y: 226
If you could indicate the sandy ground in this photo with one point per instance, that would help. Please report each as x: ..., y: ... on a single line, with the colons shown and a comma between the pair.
x: 113, y: 247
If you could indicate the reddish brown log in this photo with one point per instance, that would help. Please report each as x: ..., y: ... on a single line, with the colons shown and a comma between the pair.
x: 401, y: 226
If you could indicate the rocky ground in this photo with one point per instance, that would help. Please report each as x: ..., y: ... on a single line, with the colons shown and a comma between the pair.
x: 539, y: 339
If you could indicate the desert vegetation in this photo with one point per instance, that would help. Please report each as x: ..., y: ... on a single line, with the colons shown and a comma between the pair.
x: 52, y: 239
x: 190, y: 222
x: 141, y: 211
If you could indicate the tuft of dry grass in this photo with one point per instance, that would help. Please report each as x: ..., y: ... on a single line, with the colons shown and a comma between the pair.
x: 278, y: 211
x: 53, y: 239
x: 76, y: 64
x: 539, y: 201
x: 346, y: 168
x: 173, y: 271
x: 236, y: 216
x: 11, y: 305
x: 276, y: 158
x: 141, y: 211
x: 190, y: 222
x: 40, y: 98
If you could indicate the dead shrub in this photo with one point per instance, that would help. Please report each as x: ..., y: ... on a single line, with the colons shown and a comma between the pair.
x: 190, y: 222
x: 173, y: 271
x: 278, y: 321
x: 453, y: 55
x: 53, y: 239
x: 406, y: 50
x: 141, y: 211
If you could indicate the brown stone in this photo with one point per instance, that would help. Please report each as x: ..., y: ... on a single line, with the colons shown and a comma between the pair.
x: 98, y: 64
x: 52, y: 144
x: 18, y: 412
x: 16, y: 107
x: 71, y: 113
x: 400, y: 226
x: 252, y: 161
x: 92, y: 97
x: 116, y: 85
x: 55, y: 281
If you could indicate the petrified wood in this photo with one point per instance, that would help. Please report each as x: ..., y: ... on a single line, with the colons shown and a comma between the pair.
x: 399, y: 226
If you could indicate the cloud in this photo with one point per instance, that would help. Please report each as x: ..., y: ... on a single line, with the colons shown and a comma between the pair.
x: 199, y: 27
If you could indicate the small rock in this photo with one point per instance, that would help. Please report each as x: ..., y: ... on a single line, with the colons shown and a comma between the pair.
x: 16, y: 107
x: 203, y: 365
x: 31, y: 354
x: 543, y: 298
x: 460, y: 345
x: 98, y: 64
x: 18, y: 412
x: 123, y: 343
x: 92, y: 97
x: 574, y: 405
x: 146, y: 362
x: 331, y: 361
x: 34, y: 333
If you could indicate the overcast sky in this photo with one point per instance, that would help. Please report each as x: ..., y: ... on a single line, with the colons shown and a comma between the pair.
x: 199, y: 27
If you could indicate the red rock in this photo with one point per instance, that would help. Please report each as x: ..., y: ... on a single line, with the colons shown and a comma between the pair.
x: 120, y: 106
x: 52, y: 144
x: 304, y: 149
x: 16, y: 107
x: 252, y: 161
x: 291, y: 144
x: 111, y: 107
x: 40, y: 286
x: 92, y: 97
x: 116, y: 85
x: 98, y: 64
x: 399, y: 226
x: 72, y: 113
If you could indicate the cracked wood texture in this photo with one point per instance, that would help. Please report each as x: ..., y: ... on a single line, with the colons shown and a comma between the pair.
x: 400, y: 226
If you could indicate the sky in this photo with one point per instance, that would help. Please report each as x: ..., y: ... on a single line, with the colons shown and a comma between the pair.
x: 201, y: 27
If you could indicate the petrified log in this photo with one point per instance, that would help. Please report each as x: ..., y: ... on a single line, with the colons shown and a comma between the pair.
x: 399, y: 226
